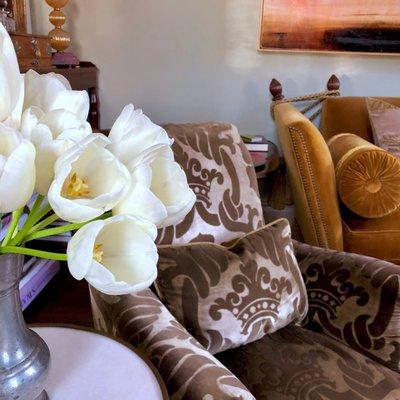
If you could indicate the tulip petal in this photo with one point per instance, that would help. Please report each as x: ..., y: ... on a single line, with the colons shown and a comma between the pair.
x: 134, y: 136
x: 169, y: 184
x: 17, y: 177
x: 140, y: 201
x: 11, y: 82
x: 52, y: 92
x: 108, y: 180
x: 80, y: 249
x: 129, y: 255
x: 124, y: 277
x: 46, y: 157
x: 75, y: 101
x: 30, y: 119
x: 60, y: 121
x: 14, y: 119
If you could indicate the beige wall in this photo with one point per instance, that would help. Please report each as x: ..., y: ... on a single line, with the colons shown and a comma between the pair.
x: 197, y: 60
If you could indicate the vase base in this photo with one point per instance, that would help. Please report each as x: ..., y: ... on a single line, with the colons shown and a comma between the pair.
x: 43, y: 396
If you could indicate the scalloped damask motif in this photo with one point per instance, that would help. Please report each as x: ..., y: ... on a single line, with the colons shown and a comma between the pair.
x: 220, y: 172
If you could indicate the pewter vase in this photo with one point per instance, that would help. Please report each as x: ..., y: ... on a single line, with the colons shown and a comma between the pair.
x: 24, y: 356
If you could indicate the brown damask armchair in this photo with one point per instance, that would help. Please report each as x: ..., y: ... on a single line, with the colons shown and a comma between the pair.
x: 349, y: 346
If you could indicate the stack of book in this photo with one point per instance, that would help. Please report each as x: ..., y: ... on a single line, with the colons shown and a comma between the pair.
x: 258, y: 148
x: 36, y: 275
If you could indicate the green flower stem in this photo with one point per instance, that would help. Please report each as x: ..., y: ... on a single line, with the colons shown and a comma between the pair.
x: 33, y: 252
x: 36, y: 205
x: 54, y: 231
x: 42, y: 224
x: 34, y: 216
x: 16, y: 215
x: 37, y: 234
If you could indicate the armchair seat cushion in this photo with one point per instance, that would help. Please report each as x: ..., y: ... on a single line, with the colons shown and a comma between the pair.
x: 377, y: 237
x: 296, y: 364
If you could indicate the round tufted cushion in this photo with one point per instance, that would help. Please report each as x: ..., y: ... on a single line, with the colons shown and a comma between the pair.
x: 367, y: 177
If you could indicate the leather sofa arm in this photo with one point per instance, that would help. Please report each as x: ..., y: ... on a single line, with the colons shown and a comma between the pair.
x: 355, y: 299
x: 189, y: 371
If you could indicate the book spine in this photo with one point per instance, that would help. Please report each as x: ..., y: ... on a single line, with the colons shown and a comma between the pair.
x: 36, y: 279
x: 257, y: 147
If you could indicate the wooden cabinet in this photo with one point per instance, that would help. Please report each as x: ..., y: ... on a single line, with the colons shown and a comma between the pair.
x: 33, y: 51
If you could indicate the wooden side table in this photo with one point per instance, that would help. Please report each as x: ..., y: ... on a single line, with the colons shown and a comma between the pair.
x: 86, y: 364
x: 271, y: 164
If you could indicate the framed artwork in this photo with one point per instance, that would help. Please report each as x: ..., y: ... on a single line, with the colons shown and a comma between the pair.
x: 367, y: 26
x: 17, y: 10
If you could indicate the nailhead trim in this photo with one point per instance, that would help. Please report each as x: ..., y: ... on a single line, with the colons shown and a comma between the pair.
x: 298, y: 140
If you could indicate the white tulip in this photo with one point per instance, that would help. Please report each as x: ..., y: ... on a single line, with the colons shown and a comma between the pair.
x: 52, y: 134
x: 169, y: 183
x: 17, y: 169
x: 116, y: 256
x: 53, y: 92
x: 88, y: 181
x: 134, y: 138
x: 159, y: 192
x: 11, y: 82
x: 140, y: 200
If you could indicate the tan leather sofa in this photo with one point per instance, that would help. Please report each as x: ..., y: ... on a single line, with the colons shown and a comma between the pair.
x: 323, y: 221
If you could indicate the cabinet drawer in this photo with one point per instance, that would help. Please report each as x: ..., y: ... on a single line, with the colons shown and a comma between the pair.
x: 32, y: 63
x: 32, y: 49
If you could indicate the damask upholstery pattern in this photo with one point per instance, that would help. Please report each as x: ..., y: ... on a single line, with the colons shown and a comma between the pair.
x: 355, y: 299
x: 228, y: 296
x: 220, y: 171
x: 297, y: 364
x: 189, y: 371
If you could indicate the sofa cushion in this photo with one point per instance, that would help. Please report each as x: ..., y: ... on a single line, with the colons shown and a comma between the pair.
x: 348, y: 114
x: 220, y: 171
x: 298, y: 364
x: 385, y: 122
x: 226, y: 297
x: 377, y: 237
x: 367, y: 177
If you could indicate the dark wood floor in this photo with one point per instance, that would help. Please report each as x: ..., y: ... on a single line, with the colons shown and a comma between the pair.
x: 64, y: 300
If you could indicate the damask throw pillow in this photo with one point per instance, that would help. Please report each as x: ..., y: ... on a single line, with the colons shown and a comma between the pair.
x: 220, y: 172
x: 229, y: 296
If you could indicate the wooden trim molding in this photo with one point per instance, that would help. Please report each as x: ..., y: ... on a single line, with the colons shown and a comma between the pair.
x: 18, y: 10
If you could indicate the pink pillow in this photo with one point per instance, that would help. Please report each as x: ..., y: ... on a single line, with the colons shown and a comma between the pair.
x: 385, y: 123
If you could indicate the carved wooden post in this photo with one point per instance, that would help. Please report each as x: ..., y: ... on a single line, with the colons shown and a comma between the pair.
x: 275, y: 89
x: 333, y: 83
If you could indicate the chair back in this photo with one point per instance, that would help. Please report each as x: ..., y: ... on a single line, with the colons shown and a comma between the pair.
x: 312, y: 178
x: 221, y: 174
x: 348, y: 115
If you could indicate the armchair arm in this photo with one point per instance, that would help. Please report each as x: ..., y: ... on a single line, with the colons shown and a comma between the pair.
x: 355, y: 299
x: 189, y: 371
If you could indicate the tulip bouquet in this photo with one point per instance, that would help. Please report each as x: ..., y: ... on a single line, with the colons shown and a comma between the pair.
x: 114, y: 192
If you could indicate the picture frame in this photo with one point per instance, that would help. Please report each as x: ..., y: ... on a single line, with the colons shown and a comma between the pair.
x: 342, y: 27
x: 18, y: 10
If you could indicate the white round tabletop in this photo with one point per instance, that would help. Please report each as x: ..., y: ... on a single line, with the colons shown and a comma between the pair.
x: 88, y: 365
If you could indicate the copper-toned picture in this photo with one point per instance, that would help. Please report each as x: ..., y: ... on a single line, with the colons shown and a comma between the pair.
x: 369, y: 26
